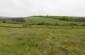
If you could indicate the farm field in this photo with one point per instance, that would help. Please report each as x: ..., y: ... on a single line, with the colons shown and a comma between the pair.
x: 39, y: 39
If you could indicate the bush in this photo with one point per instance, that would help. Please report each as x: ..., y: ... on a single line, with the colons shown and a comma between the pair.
x: 41, y: 23
x: 3, y: 21
x: 83, y: 24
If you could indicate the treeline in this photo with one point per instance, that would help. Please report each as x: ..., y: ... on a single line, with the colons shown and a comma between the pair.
x: 12, y: 20
x: 65, y: 18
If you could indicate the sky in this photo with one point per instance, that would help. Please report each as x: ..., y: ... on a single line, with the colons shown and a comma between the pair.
x: 21, y: 8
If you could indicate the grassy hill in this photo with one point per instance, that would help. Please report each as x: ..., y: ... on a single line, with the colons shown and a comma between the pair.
x: 50, y: 20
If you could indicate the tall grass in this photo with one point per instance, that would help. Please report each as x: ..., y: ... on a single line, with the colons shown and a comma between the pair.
x: 42, y: 41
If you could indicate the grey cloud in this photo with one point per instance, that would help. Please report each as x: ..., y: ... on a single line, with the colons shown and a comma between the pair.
x: 42, y: 7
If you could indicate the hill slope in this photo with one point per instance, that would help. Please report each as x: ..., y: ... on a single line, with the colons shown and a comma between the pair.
x: 35, y: 20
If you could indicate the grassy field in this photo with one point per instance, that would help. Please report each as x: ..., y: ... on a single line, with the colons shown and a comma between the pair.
x: 42, y: 41
x: 35, y: 20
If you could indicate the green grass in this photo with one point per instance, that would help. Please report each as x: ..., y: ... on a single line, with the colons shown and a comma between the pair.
x: 42, y: 39
x: 38, y: 40
x: 35, y: 20
x: 38, y: 20
x: 12, y: 25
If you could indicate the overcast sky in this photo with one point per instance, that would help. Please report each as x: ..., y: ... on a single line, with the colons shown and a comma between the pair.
x: 17, y: 8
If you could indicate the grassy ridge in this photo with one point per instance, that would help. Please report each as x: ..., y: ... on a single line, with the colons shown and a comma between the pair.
x: 39, y: 19
x: 49, y: 20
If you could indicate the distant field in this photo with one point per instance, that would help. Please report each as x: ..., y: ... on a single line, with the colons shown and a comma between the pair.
x: 39, y: 19
x: 35, y: 20
x: 42, y: 41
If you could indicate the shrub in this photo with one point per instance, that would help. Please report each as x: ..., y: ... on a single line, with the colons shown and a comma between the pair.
x: 41, y: 23
x: 3, y: 21
x: 83, y: 24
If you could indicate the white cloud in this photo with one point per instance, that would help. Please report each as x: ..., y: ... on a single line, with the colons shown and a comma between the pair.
x: 42, y: 7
